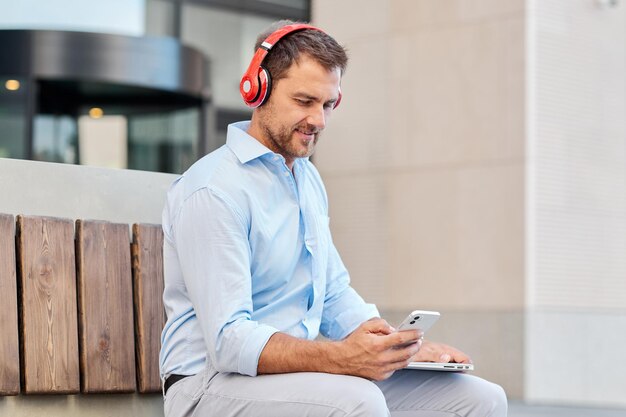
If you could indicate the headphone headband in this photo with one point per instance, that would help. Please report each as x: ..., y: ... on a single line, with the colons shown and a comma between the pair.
x: 256, y: 82
x: 274, y: 37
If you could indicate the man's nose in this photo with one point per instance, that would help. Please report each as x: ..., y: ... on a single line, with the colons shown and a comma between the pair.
x: 317, y: 118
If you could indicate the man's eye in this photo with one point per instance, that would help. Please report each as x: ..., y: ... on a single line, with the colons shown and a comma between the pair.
x: 304, y: 102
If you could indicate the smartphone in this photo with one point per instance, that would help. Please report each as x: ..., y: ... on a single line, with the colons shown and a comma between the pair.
x: 420, y: 320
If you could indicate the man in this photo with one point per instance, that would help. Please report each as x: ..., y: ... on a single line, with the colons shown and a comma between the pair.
x: 252, y: 276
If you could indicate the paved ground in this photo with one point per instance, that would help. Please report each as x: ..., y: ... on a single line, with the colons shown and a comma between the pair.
x: 518, y: 409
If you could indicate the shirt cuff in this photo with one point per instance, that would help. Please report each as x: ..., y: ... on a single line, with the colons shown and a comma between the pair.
x: 252, y: 348
x: 348, y: 321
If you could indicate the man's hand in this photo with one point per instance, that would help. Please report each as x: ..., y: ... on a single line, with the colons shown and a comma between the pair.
x: 375, y: 350
x: 438, y: 352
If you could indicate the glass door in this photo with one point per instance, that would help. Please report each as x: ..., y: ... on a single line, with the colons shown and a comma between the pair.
x: 115, y: 126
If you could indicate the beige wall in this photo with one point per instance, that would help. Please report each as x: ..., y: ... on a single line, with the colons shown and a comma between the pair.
x: 424, y: 160
x: 476, y: 166
x: 424, y: 165
x: 577, y: 203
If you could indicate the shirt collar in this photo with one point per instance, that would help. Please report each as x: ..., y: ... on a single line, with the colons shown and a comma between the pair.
x: 245, y: 147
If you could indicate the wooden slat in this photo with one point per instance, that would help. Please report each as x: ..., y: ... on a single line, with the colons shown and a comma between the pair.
x: 9, y: 344
x: 47, y: 277
x: 107, y: 344
x: 147, y: 252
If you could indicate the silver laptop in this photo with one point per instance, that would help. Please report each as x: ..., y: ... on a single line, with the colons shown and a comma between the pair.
x: 447, y: 367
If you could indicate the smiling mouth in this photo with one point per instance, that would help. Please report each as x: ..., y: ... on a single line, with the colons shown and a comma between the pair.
x: 308, y: 133
x: 305, y: 136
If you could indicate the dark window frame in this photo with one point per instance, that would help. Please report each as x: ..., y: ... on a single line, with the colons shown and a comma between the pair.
x: 244, y: 6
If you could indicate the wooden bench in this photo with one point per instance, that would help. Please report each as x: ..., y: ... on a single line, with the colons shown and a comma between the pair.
x: 80, y: 305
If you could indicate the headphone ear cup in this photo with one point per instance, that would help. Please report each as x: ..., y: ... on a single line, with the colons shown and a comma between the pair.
x: 265, y: 86
x: 261, y: 93
x: 249, y: 88
x: 338, y: 100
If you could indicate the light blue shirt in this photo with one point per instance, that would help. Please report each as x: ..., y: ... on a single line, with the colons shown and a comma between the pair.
x: 247, y: 253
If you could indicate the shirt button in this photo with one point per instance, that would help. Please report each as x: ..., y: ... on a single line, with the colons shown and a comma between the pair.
x: 286, y: 174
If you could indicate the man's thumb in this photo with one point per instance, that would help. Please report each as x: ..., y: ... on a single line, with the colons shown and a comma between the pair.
x: 379, y: 326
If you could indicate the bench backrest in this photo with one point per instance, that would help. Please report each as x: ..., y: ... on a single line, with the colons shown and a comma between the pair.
x: 81, y: 306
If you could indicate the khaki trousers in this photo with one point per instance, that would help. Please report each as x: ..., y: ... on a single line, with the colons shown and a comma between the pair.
x: 406, y: 393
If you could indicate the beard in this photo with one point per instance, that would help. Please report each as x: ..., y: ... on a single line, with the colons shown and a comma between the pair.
x: 284, y: 140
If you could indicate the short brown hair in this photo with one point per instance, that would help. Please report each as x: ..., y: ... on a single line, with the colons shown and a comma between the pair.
x: 314, y: 43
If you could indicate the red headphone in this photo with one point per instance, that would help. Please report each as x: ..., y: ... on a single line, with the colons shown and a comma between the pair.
x: 256, y: 83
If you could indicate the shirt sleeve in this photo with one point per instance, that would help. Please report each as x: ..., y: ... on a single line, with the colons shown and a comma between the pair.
x: 211, y: 238
x: 344, y: 309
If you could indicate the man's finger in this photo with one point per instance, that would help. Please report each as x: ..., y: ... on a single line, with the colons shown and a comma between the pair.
x: 453, y: 355
x: 403, y: 354
x: 460, y: 357
x: 405, y: 337
x: 400, y: 339
x: 407, y: 355
x: 378, y: 326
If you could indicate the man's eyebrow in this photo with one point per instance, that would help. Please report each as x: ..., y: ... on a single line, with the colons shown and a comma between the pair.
x: 306, y: 96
